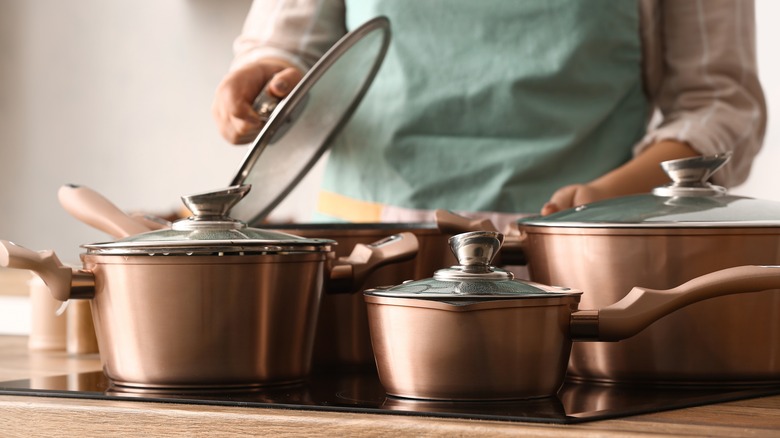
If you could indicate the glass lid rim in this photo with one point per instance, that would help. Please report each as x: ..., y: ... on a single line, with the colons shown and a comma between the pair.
x: 571, y: 218
x: 289, y: 104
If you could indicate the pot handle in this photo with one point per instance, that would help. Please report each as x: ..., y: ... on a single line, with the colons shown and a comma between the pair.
x: 349, y: 274
x: 95, y: 210
x: 449, y: 222
x: 63, y: 282
x: 641, y: 307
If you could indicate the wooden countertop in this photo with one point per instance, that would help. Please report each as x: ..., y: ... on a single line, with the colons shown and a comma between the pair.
x: 23, y: 416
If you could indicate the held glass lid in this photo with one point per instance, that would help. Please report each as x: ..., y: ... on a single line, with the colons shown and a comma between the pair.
x: 211, y: 231
x: 474, y: 279
x: 301, y: 127
x: 688, y: 201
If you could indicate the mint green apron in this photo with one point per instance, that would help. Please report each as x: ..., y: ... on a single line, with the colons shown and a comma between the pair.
x: 492, y: 105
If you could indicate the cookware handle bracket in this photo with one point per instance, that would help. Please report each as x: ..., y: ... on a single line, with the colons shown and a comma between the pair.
x: 57, y: 277
x: 350, y: 273
x: 641, y: 307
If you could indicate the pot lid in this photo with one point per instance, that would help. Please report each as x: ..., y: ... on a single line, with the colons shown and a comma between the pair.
x: 688, y: 201
x: 474, y: 279
x: 300, y: 127
x: 211, y: 231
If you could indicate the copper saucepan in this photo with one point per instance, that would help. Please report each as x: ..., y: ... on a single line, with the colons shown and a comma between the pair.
x: 209, y: 302
x: 474, y: 333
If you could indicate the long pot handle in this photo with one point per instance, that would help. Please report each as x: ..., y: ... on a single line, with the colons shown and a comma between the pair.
x: 63, y: 282
x: 350, y: 273
x: 449, y: 222
x: 642, y: 306
x: 95, y: 210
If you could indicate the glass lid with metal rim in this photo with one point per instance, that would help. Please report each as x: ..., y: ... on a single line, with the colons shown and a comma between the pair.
x: 211, y: 231
x: 301, y: 127
x: 474, y: 279
x: 688, y: 201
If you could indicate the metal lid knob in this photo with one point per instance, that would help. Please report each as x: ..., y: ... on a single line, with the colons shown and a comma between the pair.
x: 211, y: 209
x: 690, y: 175
x: 475, y: 252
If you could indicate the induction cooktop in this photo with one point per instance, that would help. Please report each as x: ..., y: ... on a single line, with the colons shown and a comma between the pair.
x: 358, y: 390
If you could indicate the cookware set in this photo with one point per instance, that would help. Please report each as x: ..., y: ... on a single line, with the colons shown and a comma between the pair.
x: 211, y: 302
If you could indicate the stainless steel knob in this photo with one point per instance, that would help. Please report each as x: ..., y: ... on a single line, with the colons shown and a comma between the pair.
x: 212, y: 209
x: 475, y: 250
x: 690, y: 175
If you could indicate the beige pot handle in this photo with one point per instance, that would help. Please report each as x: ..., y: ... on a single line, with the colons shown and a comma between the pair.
x: 449, y: 222
x: 641, y: 307
x: 63, y: 282
x: 350, y: 273
x: 95, y: 210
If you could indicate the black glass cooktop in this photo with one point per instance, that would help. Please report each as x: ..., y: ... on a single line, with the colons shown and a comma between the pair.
x: 359, y: 390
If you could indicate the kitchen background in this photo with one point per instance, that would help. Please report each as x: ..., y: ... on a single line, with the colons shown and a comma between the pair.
x: 116, y: 95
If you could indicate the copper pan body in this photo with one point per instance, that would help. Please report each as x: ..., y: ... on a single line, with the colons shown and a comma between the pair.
x: 483, y: 351
x: 342, y: 335
x: 732, y: 340
x: 206, y: 321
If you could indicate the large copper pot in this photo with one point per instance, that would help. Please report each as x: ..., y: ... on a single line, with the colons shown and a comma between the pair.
x: 659, y: 240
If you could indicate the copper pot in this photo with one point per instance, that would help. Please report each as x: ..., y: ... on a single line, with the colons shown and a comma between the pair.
x: 209, y: 302
x: 474, y: 333
x: 679, y: 232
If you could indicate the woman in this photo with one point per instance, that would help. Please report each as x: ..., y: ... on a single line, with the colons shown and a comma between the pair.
x: 504, y: 108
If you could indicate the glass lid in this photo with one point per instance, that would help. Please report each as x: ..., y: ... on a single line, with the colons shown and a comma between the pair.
x: 301, y: 127
x: 474, y: 279
x: 688, y: 201
x: 211, y: 231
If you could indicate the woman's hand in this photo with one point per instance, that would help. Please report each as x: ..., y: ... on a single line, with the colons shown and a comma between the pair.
x: 232, y: 109
x: 571, y: 196
x: 640, y: 175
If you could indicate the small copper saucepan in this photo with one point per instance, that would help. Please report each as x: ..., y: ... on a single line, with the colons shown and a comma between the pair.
x: 472, y: 332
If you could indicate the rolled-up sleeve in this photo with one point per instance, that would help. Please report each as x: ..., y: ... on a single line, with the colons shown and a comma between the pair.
x: 706, y: 89
x: 298, y: 31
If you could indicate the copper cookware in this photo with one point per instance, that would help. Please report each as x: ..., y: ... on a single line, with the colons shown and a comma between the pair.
x: 208, y: 302
x: 474, y: 333
x: 659, y: 240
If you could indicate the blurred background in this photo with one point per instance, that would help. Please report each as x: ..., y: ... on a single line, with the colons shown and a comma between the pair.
x: 116, y: 95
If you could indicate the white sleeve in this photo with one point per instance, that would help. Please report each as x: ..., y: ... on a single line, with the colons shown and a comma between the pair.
x: 709, y: 94
x: 298, y: 31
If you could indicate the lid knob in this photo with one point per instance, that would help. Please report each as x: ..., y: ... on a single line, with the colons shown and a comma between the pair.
x: 211, y: 209
x: 689, y: 176
x: 475, y: 250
